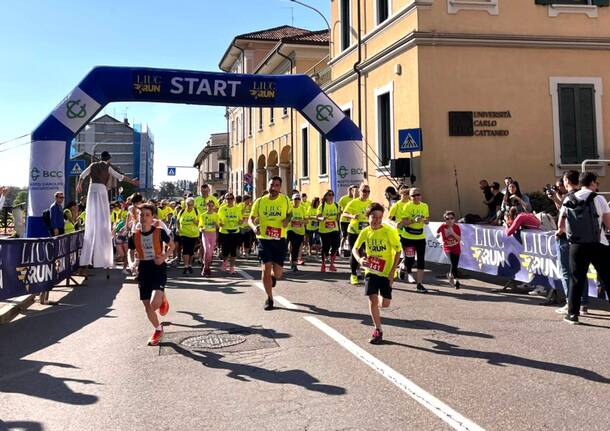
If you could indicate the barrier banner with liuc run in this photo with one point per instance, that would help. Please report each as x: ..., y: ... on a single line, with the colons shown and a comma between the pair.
x: 34, y: 265
x: 531, y: 256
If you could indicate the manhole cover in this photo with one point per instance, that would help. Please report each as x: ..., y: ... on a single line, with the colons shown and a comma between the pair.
x: 213, y: 341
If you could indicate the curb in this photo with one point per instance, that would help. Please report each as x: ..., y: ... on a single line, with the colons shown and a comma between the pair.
x: 11, y: 308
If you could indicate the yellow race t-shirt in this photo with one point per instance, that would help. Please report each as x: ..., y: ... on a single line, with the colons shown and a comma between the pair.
x: 357, y: 207
x: 312, y: 219
x: 382, y: 245
x: 189, y: 223
x: 410, y: 211
x: 271, y: 214
x: 297, y: 222
x: 201, y: 203
x: 343, y: 204
x: 208, y: 222
x: 330, y: 223
x: 229, y: 218
x: 245, y: 213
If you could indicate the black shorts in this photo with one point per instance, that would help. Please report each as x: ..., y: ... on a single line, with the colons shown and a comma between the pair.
x: 272, y: 250
x: 188, y: 245
x: 377, y: 285
x: 344, y: 225
x: 419, y: 247
x: 151, y: 277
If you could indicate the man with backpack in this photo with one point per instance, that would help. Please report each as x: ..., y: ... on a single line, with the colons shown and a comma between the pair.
x: 583, y: 216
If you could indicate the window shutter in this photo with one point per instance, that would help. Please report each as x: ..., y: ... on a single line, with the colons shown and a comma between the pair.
x: 586, y: 122
x: 567, y: 124
x: 601, y: 2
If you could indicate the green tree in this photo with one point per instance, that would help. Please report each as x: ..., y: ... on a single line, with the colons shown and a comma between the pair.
x: 20, y: 197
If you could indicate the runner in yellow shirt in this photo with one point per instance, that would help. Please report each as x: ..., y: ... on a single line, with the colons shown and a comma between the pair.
x: 382, y: 246
x: 355, y: 213
x: 296, y: 230
x: 247, y: 236
x: 328, y: 216
x: 208, y: 226
x: 313, y: 225
x: 188, y: 229
x: 269, y: 218
x: 411, y: 222
x: 201, y: 201
x: 352, y: 193
x: 229, y: 219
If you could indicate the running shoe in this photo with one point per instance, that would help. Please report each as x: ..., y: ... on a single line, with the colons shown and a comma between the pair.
x: 323, y: 267
x: 208, y: 272
x: 539, y: 290
x: 377, y: 337
x: 202, y: 272
x: 155, y: 337
x: 184, y: 271
x: 457, y: 284
x: 410, y: 278
x: 333, y: 268
x: 269, y: 304
x: 451, y: 280
x: 293, y: 267
x: 273, y: 283
x: 301, y: 261
x: 354, y: 279
x: 584, y: 309
x: 421, y: 289
x: 164, y: 308
x: 190, y: 269
x: 232, y: 270
x: 572, y: 319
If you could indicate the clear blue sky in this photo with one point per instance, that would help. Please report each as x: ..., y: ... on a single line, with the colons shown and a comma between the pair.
x: 46, y: 48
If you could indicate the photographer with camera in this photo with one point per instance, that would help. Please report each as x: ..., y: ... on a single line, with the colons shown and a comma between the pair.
x: 556, y: 192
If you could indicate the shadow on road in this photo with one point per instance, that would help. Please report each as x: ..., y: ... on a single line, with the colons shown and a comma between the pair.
x: 207, y: 285
x: 365, y: 319
x: 504, y: 359
x: 247, y: 373
x: 39, y: 331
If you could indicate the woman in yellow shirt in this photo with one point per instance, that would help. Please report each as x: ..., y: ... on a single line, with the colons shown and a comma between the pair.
x: 296, y: 230
x: 188, y: 229
x: 208, y: 225
x: 229, y: 219
x: 328, y: 216
x: 354, y: 212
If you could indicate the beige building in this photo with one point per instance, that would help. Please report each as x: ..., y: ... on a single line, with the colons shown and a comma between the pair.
x: 212, y: 163
x: 497, y: 87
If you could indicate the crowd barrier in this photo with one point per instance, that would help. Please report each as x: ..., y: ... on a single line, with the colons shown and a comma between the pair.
x: 34, y: 265
x: 530, y: 256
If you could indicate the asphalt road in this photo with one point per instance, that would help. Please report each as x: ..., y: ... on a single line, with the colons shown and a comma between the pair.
x: 466, y: 359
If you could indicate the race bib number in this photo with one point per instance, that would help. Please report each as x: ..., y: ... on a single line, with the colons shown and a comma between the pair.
x: 410, y: 251
x: 330, y: 224
x: 362, y: 225
x: 273, y: 232
x: 376, y: 264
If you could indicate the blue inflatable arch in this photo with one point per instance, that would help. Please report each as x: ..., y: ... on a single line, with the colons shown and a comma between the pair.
x: 51, y: 140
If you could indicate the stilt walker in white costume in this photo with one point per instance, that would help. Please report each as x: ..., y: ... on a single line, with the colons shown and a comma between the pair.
x: 97, y: 244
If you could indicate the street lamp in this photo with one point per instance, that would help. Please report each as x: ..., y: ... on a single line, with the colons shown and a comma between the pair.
x: 315, y: 10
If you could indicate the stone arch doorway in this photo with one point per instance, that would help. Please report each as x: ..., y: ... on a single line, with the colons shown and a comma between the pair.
x: 272, y: 165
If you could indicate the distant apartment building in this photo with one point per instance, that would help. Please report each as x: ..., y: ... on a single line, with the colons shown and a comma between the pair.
x: 212, y: 163
x: 131, y: 147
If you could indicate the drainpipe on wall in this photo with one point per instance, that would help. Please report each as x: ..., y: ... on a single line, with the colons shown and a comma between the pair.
x: 359, y: 73
x: 291, y: 126
x: 243, y: 120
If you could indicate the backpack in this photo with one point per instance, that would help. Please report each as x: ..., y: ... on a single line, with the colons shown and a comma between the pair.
x: 46, y: 218
x: 582, y: 224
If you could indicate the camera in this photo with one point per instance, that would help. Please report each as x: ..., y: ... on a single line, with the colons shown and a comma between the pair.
x: 549, y: 189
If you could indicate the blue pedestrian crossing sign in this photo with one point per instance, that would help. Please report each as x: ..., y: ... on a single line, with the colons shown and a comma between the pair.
x: 409, y: 140
x: 171, y: 171
x: 75, y: 167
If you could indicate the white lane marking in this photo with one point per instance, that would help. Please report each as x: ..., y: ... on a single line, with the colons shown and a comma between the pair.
x: 286, y: 303
x: 436, y: 406
x: 260, y: 286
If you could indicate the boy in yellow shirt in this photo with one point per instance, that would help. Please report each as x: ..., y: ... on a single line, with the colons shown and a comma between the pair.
x: 383, y: 247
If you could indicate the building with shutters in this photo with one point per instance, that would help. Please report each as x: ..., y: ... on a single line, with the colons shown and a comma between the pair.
x: 212, y: 163
x: 497, y: 87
